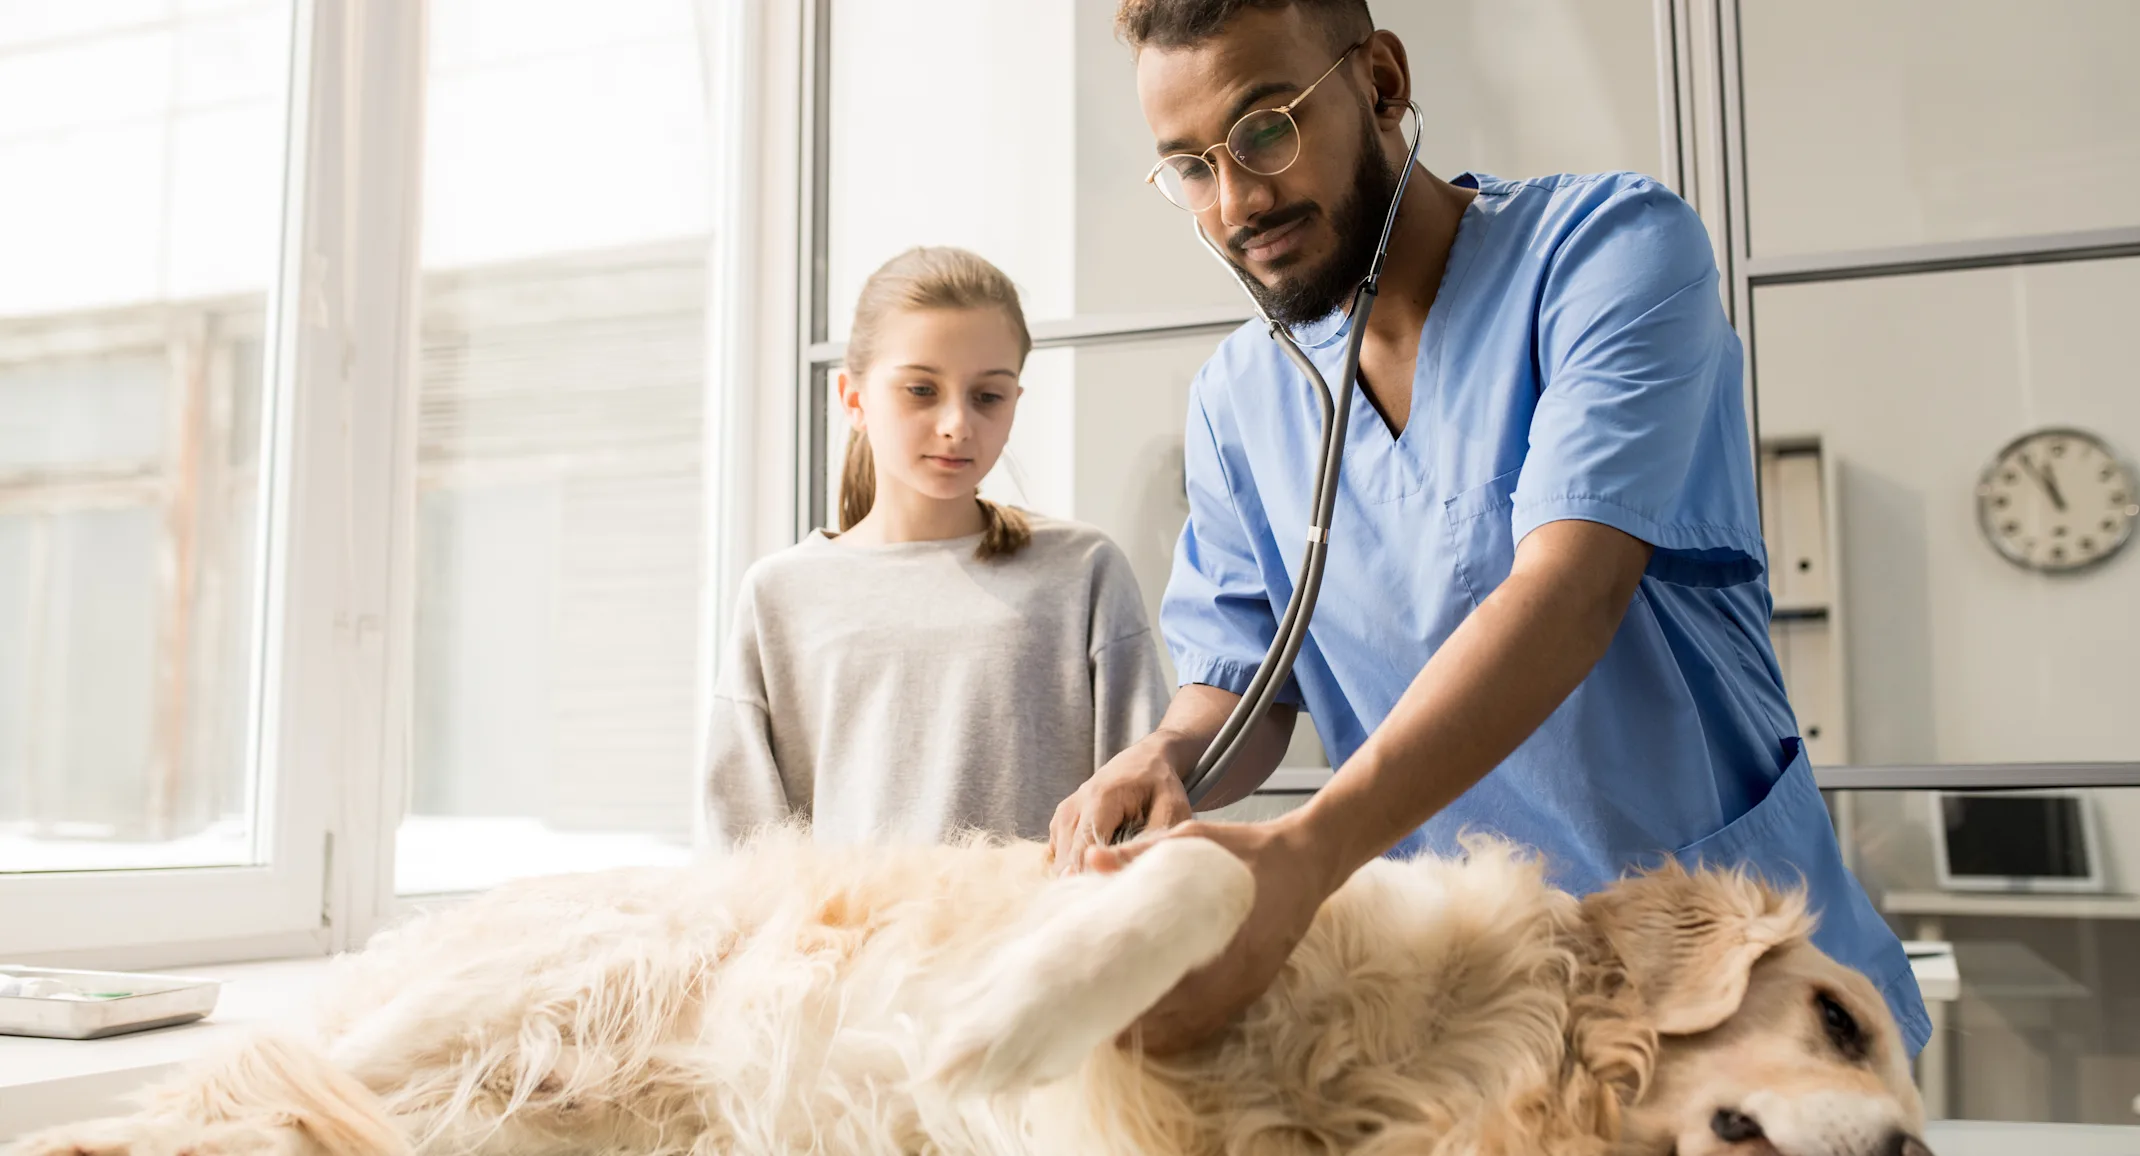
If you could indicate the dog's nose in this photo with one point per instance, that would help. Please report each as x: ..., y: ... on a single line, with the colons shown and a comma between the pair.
x: 1904, y: 1144
x: 1734, y: 1127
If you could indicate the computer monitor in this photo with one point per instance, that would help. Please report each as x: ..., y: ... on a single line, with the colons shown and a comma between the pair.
x: 2027, y: 841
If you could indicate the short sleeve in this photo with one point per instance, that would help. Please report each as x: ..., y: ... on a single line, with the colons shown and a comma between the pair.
x: 1640, y: 422
x: 1216, y: 615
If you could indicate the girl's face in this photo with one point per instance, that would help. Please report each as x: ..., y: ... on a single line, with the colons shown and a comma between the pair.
x: 938, y: 401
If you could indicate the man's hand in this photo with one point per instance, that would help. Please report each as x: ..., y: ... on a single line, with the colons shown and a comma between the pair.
x: 1293, y: 877
x: 1138, y: 784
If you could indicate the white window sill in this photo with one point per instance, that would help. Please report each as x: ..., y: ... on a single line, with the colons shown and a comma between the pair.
x: 453, y: 855
x: 48, y: 1082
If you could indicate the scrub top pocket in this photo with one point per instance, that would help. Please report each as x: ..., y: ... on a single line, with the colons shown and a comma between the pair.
x: 1482, y: 533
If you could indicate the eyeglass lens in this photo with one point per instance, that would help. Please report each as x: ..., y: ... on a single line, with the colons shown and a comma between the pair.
x: 1265, y: 142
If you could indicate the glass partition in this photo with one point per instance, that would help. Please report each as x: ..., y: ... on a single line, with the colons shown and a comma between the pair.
x: 1873, y: 124
x: 2021, y: 911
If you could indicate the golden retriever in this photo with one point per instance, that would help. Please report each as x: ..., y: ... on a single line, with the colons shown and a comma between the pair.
x: 795, y: 999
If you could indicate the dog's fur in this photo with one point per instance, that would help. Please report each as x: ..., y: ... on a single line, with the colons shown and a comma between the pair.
x: 790, y: 998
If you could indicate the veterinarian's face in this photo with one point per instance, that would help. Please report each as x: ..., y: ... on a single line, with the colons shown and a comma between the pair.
x: 938, y: 402
x: 1810, y: 1065
x: 1304, y: 235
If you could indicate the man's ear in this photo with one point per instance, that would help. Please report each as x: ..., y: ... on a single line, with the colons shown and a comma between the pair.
x: 1689, y: 940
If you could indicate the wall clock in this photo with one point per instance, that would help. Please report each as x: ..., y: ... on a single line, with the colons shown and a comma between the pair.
x: 2057, y: 500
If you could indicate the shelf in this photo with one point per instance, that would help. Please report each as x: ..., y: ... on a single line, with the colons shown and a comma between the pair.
x: 1799, y: 614
x: 2008, y: 905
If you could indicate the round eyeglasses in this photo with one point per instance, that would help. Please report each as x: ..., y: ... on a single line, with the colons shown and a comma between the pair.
x: 1265, y: 141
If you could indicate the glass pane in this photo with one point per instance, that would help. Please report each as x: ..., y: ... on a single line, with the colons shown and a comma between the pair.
x: 1045, y: 176
x: 559, y: 526
x: 1536, y: 87
x: 1876, y: 123
x: 1909, y: 389
x: 132, y: 304
x: 2022, y: 912
x: 1131, y: 402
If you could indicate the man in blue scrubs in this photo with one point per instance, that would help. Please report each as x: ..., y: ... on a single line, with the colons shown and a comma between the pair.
x: 1544, y: 613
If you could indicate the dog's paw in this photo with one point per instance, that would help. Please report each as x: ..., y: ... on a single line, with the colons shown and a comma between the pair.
x: 139, y: 1136
x: 118, y: 1137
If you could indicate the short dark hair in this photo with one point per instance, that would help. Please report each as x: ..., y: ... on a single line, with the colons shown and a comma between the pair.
x: 1146, y: 24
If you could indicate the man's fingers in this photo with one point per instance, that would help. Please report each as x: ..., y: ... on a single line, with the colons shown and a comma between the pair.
x: 1108, y: 859
x: 1170, y: 808
x: 1055, y: 836
x: 1094, y: 820
x: 1060, y: 827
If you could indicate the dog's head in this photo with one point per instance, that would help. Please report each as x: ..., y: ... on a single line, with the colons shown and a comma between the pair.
x: 1766, y: 1047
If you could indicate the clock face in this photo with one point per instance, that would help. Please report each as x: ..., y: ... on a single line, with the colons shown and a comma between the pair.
x: 2057, y: 500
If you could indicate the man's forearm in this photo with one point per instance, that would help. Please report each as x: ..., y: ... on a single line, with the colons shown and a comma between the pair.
x: 1511, y: 663
x: 1193, y: 719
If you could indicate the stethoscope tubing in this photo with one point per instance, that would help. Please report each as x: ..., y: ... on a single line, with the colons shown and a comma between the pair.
x: 1262, y: 692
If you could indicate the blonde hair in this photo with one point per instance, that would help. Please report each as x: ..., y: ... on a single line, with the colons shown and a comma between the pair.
x: 928, y: 278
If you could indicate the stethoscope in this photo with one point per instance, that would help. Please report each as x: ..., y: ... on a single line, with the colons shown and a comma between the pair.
x: 1277, y: 662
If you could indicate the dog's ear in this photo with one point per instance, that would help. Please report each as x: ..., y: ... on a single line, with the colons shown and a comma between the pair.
x: 1689, y: 940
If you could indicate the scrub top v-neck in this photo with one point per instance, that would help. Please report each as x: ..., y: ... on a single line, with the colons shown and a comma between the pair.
x: 1576, y: 364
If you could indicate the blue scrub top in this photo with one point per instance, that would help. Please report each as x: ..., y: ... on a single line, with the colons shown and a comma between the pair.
x: 1576, y: 363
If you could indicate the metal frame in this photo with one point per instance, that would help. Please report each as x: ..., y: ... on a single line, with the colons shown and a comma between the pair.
x: 813, y: 244
x: 1978, y: 777
x: 1993, y: 252
x: 1094, y: 329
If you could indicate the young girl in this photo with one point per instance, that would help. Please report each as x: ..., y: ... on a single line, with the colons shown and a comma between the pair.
x: 943, y: 663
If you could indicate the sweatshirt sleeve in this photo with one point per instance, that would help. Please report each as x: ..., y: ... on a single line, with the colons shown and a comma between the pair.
x: 744, y: 789
x: 1129, y: 690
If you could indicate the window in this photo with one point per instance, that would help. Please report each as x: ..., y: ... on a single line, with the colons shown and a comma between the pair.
x: 559, y: 468
x: 145, y: 151
x: 396, y: 583
x: 130, y: 394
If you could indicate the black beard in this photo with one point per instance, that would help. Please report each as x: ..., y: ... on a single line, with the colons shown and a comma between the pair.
x: 1315, y: 293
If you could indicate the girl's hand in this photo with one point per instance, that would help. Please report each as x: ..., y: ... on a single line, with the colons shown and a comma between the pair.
x: 1140, y: 784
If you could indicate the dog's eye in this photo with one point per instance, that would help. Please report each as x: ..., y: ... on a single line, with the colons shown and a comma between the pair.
x: 1842, y: 1027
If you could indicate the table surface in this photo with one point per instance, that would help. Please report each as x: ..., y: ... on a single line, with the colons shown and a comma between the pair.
x: 1988, y: 1138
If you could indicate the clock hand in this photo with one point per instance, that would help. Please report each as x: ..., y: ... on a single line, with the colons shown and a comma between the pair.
x: 2049, y: 483
x: 2058, y: 500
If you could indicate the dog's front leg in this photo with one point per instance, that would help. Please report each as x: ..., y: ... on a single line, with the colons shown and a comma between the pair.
x: 1112, y: 947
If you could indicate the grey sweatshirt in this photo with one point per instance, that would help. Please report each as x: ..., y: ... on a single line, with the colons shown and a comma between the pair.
x: 910, y: 691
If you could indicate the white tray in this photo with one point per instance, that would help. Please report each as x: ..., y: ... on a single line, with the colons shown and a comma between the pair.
x: 151, y: 1001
